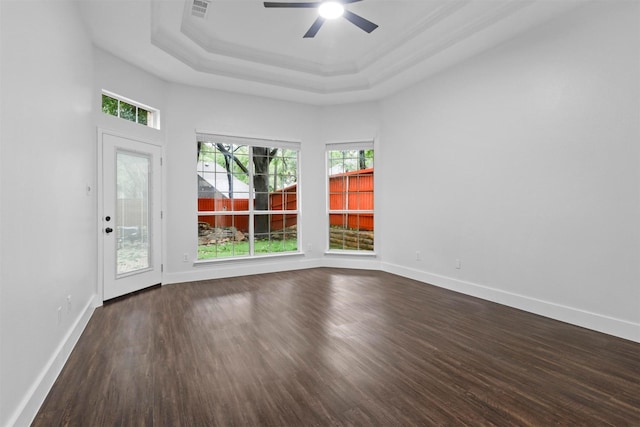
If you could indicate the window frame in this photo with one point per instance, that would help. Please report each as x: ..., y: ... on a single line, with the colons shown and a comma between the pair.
x: 345, y: 146
x: 251, y: 212
x: 152, y: 122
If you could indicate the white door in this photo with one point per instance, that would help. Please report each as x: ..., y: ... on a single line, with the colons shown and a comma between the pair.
x: 131, y: 215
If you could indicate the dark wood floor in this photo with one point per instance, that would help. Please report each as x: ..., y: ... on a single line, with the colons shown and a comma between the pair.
x: 337, y: 347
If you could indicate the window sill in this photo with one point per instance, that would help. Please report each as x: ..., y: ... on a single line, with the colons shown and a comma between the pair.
x: 353, y: 253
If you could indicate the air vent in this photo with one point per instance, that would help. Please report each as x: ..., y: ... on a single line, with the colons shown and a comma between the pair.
x: 199, y: 8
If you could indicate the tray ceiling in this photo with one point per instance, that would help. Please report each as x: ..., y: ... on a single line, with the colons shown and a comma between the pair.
x: 241, y: 46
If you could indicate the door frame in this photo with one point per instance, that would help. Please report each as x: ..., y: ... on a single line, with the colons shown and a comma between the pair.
x: 100, y: 203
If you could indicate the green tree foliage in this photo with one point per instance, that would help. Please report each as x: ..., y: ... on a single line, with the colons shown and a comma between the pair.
x: 282, y: 163
x: 283, y: 169
x: 341, y: 161
x: 143, y: 116
x: 124, y: 110
x: 127, y: 111
x: 109, y: 105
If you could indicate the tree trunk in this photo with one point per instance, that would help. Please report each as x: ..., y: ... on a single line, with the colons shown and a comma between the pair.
x: 227, y: 165
x: 262, y: 157
x: 362, y: 160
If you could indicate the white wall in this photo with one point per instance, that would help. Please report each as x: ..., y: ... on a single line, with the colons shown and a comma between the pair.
x: 48, y: 217
x: 117, y: 76
x: 523, y: 163
x: 349, y: 123
x: 191, y: 109
x: 185, y: 109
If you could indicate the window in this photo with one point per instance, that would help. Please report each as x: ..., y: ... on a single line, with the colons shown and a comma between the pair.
x: 247, y: 197
x: 350, y: 198
x: 117, y: 106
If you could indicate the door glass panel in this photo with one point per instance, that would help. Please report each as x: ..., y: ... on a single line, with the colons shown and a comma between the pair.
x: 132, y: 212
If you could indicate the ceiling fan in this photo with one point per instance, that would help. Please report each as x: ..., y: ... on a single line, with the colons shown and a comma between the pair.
x: 328, y: 10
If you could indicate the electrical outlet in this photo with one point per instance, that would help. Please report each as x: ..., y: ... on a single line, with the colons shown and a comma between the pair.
x: 59, y: 315
x: 458, y: 264
x: 309, y: 247
x: 418, y: 256
x: 69, y: 303
x: 185, y: 257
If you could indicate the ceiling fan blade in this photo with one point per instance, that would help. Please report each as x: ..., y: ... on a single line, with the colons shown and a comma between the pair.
x: 359, y: 21
x: 314, y: 28
x: 281, y: 4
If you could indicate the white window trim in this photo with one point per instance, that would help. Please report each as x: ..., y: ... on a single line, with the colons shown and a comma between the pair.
x: 251, y: 212
x: 338, y: 146
x: 155, y: 116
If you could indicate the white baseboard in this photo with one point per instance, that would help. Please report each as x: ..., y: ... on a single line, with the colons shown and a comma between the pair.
x: 33, y: 399
x: 353, y: 262
x: 594, y: 321
x: 234, y: 268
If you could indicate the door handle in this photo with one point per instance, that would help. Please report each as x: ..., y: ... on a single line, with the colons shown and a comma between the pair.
x: 108, y: 230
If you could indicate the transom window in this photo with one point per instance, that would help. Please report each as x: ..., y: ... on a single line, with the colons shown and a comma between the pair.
x: 350, y: 197
x: 118, y: 106
x: 247, y: 197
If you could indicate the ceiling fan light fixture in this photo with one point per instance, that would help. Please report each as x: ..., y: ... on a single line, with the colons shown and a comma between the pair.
x: 331, y: 9
x: 327, y: 9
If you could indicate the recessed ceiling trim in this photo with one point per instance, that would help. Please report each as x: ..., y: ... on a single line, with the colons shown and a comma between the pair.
x: 436, y: 16
x: 403, y: 62
x: 236, y: 51
x: 192, y: 30
x: 164, y: 40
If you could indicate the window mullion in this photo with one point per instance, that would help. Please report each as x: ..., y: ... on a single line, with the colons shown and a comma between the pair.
x: 251, y: 204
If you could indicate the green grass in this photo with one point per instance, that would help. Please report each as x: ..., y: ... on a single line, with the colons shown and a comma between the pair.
x: 238, y: 249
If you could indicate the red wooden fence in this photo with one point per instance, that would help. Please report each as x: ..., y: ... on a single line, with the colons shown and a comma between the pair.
x: 347, y: 191
x: 285, y: 199
x: 240, y: 221
x: 352, y: 191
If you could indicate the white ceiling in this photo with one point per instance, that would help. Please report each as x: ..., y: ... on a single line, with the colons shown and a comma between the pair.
x: 244, y: 47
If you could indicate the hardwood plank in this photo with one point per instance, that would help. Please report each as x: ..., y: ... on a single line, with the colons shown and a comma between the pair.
x: 337, y: 347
